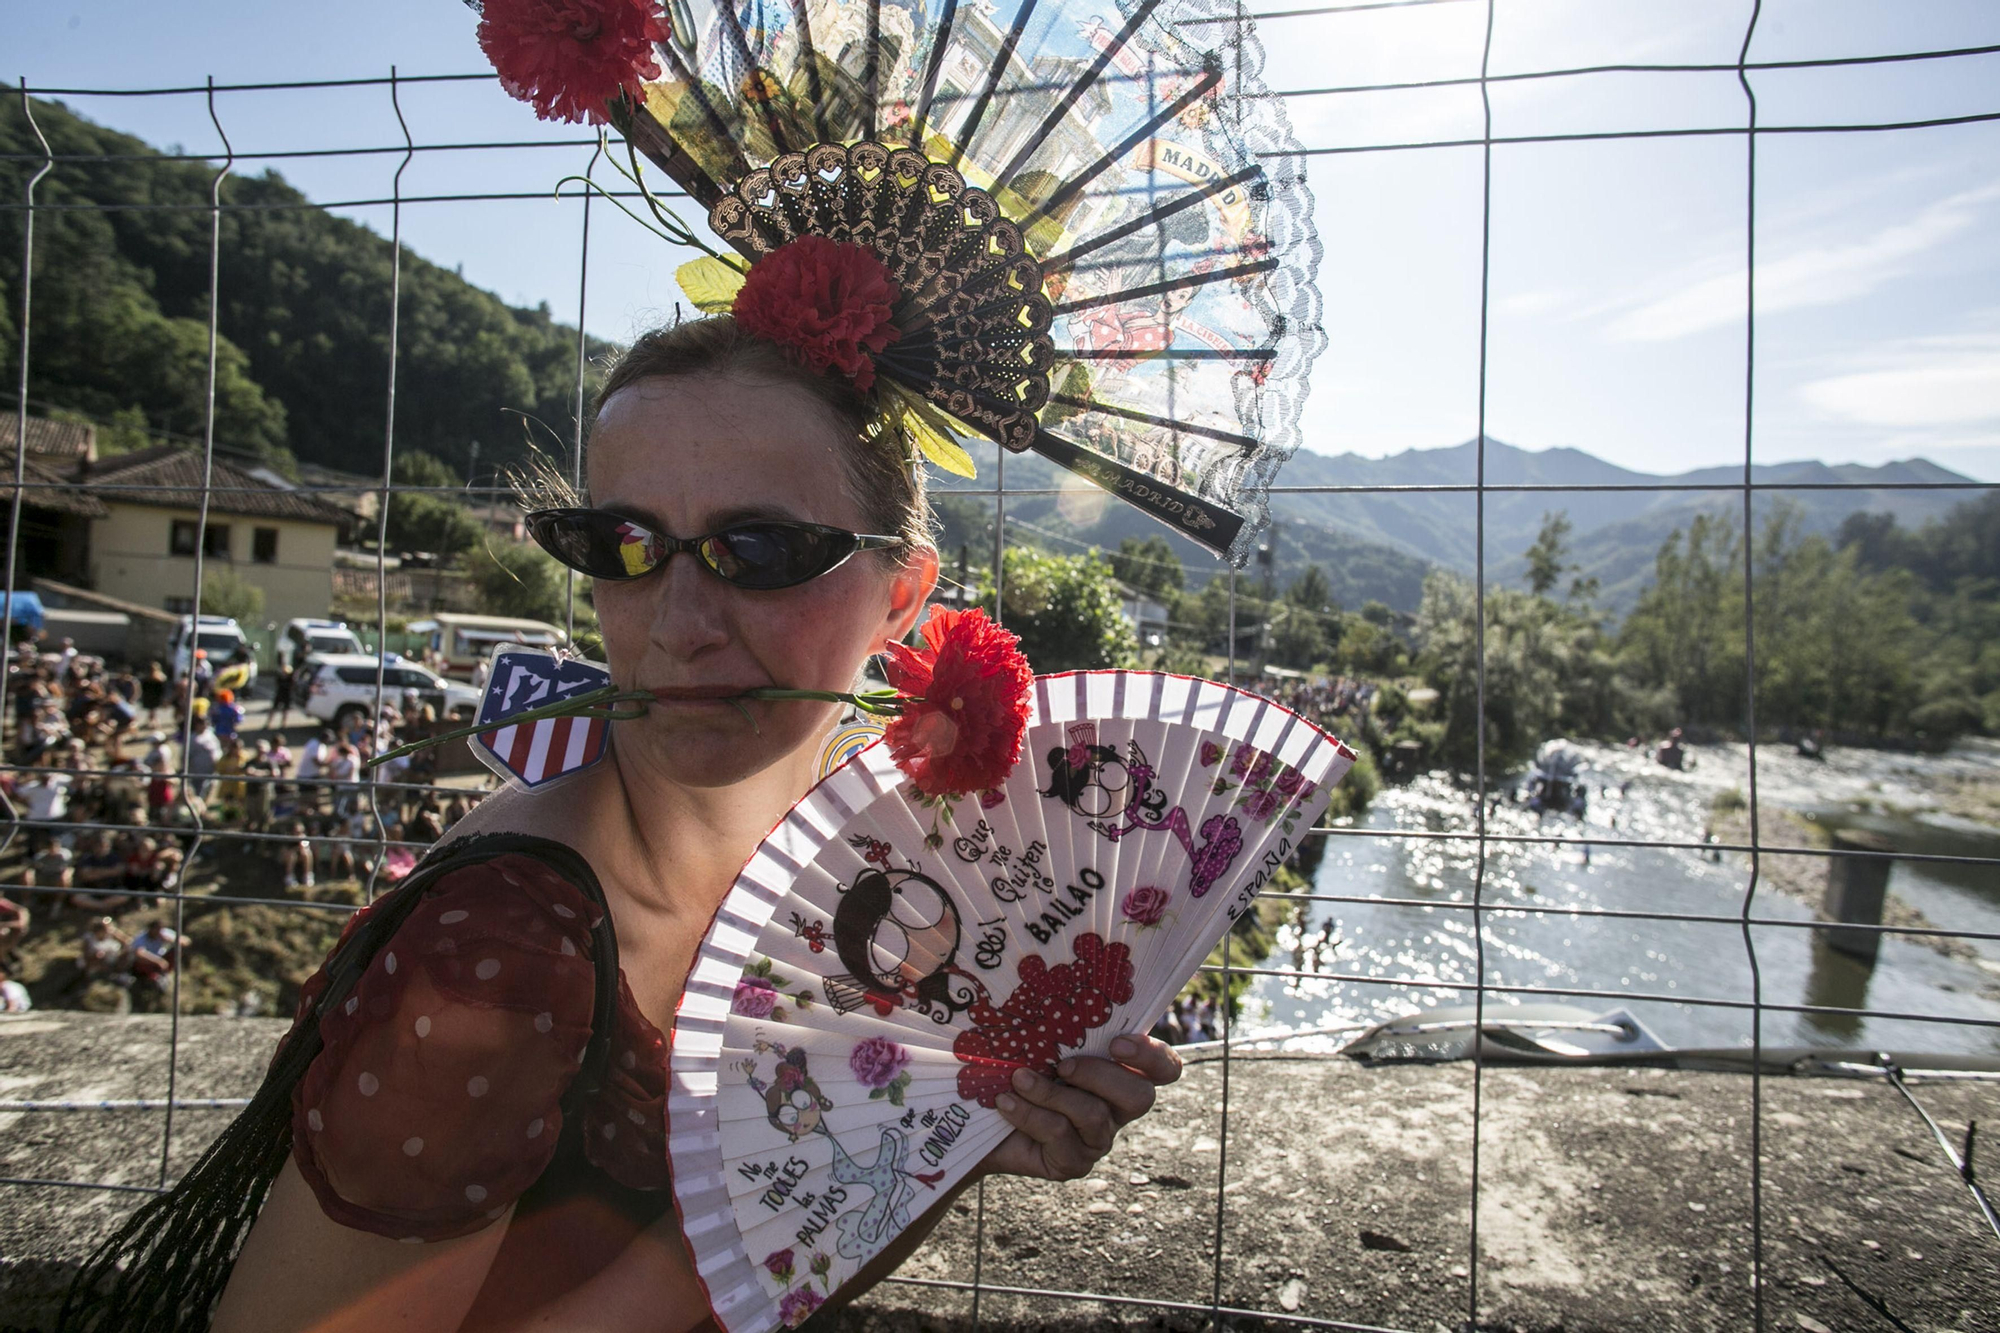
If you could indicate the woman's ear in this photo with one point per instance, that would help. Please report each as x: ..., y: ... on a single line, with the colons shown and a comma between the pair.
x: 909, y: 591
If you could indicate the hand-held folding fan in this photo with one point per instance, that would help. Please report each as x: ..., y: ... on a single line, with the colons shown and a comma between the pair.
x: 887, y: 959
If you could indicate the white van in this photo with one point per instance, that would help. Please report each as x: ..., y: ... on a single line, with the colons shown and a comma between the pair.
x: 461, y: 642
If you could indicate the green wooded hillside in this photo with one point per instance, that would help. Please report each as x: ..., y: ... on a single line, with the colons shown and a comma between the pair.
x: 121, y: 299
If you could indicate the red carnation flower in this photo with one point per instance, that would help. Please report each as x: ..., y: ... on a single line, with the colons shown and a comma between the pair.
x: 965, y: 734
x: 830, y: 303
x: 569, y: 57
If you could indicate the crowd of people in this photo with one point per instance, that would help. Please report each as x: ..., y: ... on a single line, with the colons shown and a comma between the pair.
x: 113, y: 804
x: 1322, y: 700
x: 1190, y: 1020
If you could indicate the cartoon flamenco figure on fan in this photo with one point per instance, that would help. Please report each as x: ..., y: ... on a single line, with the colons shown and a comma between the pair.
x: 1118, y: 797
x: 796, y: 1107
x: 897, y: 932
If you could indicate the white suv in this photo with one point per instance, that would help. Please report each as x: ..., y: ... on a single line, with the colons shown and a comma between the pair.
x: 300, y: 639
x: 342, y: 686
x: 219, y: 636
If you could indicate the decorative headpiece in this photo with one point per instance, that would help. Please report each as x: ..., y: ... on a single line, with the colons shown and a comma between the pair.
x: 1079, y: 228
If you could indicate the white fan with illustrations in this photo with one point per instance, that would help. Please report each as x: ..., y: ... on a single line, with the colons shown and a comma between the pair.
x: 886, y: 960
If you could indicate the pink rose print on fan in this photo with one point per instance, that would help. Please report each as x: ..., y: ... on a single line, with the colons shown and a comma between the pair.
x: 1287, y: 782
x: 1052, y: 1008
x: 1261, y: 805
x: 877, y: 1061
x: 1211, y: 754
x: 797, y: 1304
x: 754, y: 998
x: 1145, y: 905
x: 780, y: 1262
x: 881, y: 1066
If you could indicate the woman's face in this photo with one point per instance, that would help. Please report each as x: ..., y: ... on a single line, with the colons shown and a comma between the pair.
x: 691, y: 455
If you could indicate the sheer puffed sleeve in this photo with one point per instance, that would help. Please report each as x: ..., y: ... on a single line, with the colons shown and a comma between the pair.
x: 435, y: 1103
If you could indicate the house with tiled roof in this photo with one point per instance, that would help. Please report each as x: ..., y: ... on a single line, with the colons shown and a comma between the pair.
x: 278, y: 537
x: 55, y: 516
x: 60, y: 444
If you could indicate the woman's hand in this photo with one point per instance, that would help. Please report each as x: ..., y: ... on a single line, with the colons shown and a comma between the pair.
x: 1063, y: 1125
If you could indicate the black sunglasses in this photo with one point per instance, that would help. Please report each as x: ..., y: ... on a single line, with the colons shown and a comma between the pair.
x: 762, y: 555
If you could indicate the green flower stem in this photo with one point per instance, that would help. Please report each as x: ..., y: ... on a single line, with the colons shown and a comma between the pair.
x: 591, y: 703
x: 876, y: 703
x: 603, y: 703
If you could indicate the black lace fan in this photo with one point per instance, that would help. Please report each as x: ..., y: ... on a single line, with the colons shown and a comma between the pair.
x: 1096, y: 212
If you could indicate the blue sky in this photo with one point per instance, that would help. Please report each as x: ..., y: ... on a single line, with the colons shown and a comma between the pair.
x: 1616, y: 301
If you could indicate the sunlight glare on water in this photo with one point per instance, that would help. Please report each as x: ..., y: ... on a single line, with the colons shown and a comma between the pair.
x: 1379, y: 961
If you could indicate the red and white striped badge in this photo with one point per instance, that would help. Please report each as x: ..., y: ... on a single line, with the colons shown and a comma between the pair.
x: 534, y: 754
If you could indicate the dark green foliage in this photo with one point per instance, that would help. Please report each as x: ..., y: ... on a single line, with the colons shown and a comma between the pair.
x: 1884, y: 633
x: 1066, y: 610
x: 525, y: 581
x: 428, y: 522
x: 120, y: 314
x: 1148, y: 565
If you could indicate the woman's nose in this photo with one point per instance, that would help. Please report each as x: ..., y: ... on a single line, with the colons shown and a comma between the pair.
x: 689, y: 614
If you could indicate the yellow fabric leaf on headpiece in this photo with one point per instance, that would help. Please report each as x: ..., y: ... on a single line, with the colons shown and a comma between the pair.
x: 940, y: 449
x: 709, y: 283
x: 930, y: 430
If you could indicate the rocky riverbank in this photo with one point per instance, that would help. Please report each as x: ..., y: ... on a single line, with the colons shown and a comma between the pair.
x: 1609, y: 1198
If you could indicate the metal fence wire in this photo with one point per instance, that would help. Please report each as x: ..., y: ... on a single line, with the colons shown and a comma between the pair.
x: 1479, y: 841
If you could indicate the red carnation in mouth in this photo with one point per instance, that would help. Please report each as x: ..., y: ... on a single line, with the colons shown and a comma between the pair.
x: 971, y: 682
x: 568, y: 58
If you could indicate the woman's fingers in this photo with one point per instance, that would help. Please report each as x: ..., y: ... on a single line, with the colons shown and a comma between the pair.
x: 1046, y: 1144
x: 1073, y: 1110
x: 1126, y: 1094
x: 1067, y: 1123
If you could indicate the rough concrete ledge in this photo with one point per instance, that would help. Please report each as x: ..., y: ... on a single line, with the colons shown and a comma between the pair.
x: 1609, y: 1199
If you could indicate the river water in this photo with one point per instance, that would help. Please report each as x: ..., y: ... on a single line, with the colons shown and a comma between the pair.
x: 1392, y: 959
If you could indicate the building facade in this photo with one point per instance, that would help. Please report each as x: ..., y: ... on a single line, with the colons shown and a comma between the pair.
x: 143, y: 549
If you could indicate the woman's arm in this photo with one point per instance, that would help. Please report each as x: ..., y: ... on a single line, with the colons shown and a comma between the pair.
x: 300, y: 1270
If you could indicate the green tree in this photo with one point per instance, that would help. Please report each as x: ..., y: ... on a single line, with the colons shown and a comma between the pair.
x: 525, y: 581
x: 429, y: 522
x: 1067, y: 611
x: 224, y: 592
x: 1148, y: 565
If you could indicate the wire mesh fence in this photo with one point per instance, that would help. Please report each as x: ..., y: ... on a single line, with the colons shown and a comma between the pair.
x: 1479, y: 847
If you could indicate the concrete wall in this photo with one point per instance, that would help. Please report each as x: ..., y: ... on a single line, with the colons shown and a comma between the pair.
x: 131, y: 558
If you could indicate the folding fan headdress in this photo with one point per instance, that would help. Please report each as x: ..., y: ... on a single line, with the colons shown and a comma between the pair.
x: 1078, y: 227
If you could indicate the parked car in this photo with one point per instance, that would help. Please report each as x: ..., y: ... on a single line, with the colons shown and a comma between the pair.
x: 219, y: 636
x: 302, y: 638
x: 342, y: 687
x: 462, y: 643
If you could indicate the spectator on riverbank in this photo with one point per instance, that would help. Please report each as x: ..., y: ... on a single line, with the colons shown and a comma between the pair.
x: 99, y: 875
x: 155, y: 954
x: 13, y: 995
x: 295, y: 856
x: 203, y: 752
x: 226, y: 715
x: 14, y: 922
x: 153, y: 692
x: 100, y: 951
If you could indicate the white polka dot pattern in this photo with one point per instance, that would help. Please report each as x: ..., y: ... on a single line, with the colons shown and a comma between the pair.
x: 488, y: 969
x: 412, y: 1146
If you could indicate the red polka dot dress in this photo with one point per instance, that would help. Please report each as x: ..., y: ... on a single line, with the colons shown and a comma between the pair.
x: 436, y: 1102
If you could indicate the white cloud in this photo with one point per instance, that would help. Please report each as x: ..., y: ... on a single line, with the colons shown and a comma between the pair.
x: 1928, y: 383
x: 1815, y: 276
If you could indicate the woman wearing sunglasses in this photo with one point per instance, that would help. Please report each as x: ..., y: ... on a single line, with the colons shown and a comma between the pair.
x: 744, y: 528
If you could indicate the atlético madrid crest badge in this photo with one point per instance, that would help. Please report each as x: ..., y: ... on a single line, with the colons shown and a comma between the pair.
x: 534, y: 754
